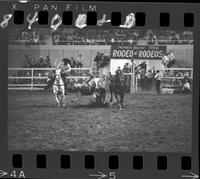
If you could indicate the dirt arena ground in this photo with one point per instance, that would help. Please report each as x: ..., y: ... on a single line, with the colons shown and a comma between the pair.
x: 148, y: 123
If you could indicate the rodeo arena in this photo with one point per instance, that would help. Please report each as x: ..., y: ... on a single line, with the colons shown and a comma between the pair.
x: 100, y: 90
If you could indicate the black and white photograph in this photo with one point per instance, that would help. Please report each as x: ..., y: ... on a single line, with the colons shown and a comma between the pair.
x: 100, y: 90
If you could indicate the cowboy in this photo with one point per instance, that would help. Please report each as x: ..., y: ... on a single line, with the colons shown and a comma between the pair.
x: 149, y: 79
x: 142, y: 66
x: 118, y: 71
x: 41, y: 62
x: 64, y: 66
x: 186, y: 86
x: 153, y: 73
x: 126, y: 68
x: 158, y: 77
x: 47, y: 62
x: 118, y: 74
x: 79, y: 61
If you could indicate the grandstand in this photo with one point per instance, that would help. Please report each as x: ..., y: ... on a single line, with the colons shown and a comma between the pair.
x: 73, y: 36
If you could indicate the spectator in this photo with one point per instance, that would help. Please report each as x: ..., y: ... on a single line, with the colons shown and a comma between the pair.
x: 126, y: 68
x: 143, y: 65
x: 33, y: 62
x: 118, y: 71
x: 41, y: 62
x: 174, y: 39
x: 98, y: 59
x: 47, y: 62
x: 186, y: 86
x: 142, y: 79
x: 24, y: 37
x: 158, y: 77
x: 149, y: 79
x: 27, y: 62
x: 79, y: 61
x: 56, y: 39
x: 36, y: 36
x: 112, y: 40
x: 153, y: 73
x: 152, y: 39
x: 186, y: 78
x: 73, y: 62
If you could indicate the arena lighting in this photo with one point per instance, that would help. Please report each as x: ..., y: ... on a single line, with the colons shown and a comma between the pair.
x: 80, y: 21
x: 23, y: 1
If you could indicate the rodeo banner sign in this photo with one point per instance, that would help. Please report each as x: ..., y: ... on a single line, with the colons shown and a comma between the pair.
x: 137, y: 52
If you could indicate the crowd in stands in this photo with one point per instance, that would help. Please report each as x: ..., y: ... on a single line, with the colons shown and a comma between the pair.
x: 36, y: 63
x: 122, y: 36
x: 75, y: 36
x: 101, y: 60
x: 24, y: 36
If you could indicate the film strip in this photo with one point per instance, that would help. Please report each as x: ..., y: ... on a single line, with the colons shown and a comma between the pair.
x: 99, y: 90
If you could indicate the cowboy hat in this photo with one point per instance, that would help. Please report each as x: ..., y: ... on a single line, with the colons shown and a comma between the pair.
x: 66, y: 60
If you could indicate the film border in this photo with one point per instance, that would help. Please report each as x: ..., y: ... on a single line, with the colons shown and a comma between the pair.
x: 125, y: 170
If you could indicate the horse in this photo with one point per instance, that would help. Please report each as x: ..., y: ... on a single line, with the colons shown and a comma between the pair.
x: 117, y: 86
x: 59, y: 88
x: 91, y: 87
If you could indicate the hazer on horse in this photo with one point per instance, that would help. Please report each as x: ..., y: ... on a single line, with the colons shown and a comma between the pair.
x: 59, y: 88
x: 91, y: 86
x: 57, y: 79
x: 117, y: 86
x: 65, y: 69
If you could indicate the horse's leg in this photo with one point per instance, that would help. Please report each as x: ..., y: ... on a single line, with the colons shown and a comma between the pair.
x: 104, y: 95
x: 111, y: 93
x: 63, y: 96
x: 66, y: 83
x: 121, y: 99
x: 55, y: 92
x: 62, y: 99
x: 119, y: 104
x: 57, y: 99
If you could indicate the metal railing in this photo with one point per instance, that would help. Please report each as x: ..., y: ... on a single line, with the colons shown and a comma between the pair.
x: 31, y: 85
x: 98, y: 42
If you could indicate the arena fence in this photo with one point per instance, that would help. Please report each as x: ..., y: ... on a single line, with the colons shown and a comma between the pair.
x: 35, y: 78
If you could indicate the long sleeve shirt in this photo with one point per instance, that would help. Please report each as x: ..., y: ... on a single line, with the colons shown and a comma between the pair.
x: 158, y: 76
